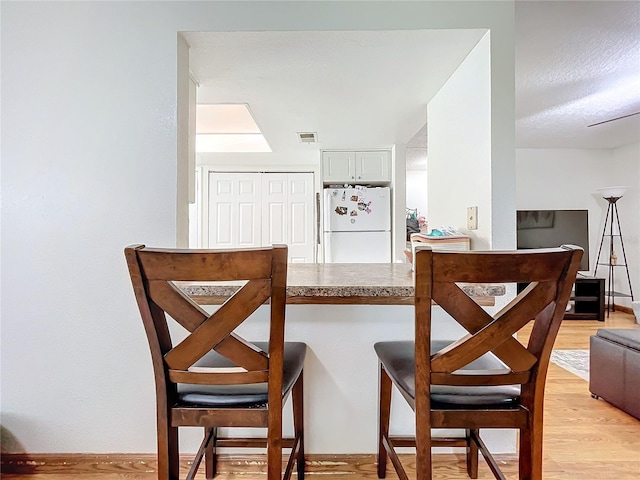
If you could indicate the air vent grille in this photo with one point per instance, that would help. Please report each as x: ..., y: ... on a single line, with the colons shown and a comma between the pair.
x: 308, y: 137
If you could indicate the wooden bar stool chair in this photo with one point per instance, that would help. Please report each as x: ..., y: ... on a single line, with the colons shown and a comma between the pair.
x: 213, y: 377
x: 486, y: 379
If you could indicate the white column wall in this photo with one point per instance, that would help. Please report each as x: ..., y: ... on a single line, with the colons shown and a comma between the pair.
x: 459, y: 149
x: 89, y: 102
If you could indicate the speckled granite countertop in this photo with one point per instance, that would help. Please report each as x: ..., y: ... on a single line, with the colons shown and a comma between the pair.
x: 344, y: 283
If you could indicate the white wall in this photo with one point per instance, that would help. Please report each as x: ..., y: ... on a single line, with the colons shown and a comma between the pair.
x: 398, y: 201
x: 89, y: 165
x: 459, y: 146
x: 417, y: 190
x: 569, y: 179
x: 626, y: 171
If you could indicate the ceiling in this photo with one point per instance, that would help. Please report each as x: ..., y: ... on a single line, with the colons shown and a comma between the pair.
x: 355, y: 89
x: 577, y: 63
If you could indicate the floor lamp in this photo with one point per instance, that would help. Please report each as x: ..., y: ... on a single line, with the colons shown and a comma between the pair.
x: 611, y: 230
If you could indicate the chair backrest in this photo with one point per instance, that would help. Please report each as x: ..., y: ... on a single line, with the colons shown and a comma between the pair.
x: 549, y: 273
x: 154, y: 273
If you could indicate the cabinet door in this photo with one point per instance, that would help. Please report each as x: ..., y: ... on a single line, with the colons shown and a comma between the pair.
x: 235, y: 213
x: 373, y: 166
x: 338, y: 167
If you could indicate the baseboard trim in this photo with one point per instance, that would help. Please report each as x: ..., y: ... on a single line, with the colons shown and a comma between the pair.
x: 623, y: 308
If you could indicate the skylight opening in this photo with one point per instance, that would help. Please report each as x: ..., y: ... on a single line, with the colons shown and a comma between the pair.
x: 227, y: 128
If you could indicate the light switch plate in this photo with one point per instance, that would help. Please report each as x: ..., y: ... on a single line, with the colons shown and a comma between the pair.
x: 472, y: 218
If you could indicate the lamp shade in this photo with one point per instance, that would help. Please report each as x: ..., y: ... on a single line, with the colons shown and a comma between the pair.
x: 612, y: 192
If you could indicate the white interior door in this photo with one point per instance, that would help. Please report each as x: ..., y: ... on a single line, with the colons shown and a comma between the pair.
x: 262, y: 209
x: 235, y: 213
x: 301, y: 224
x: 287, y: 213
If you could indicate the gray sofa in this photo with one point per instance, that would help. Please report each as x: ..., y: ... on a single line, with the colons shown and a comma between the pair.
x: 614, y: 368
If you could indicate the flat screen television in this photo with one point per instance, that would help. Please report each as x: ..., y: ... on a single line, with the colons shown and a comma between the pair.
x: 552, y: 228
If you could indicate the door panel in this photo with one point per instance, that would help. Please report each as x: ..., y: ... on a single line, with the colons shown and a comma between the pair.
x: 276, y: 230
x: 299, y: 223
x: 234, y: 210
x: 247, y: 187
x: 224, y: 186
x: 338, y: 167
x: 301, y: 211
x: 223, y: 234
x: 274, y: 208
x: 247, y: 228
x: 373, y: 166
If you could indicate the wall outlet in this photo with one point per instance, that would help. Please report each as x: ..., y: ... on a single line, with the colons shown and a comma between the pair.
x: 472, y: 218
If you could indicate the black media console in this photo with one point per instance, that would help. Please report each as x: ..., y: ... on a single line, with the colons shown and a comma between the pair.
x: 587, y: 300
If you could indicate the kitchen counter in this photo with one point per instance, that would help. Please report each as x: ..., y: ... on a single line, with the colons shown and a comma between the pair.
x: 344, y: 283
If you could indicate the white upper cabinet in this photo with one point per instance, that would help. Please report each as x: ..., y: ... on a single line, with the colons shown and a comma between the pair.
x: 338, y: 167
x: 373, y: 166
x: 356, y: 167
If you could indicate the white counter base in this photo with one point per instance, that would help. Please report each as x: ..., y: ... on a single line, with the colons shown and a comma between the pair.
x: 341, y: 374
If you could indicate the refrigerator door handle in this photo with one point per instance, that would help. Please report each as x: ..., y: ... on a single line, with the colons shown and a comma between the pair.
x: 326, y: 248
x: 318, y: 218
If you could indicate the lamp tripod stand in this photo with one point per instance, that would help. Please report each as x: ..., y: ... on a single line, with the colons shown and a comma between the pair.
x: 612, y: 195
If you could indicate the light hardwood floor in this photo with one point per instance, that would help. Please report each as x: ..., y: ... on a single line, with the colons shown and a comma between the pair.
x: 585, y: 439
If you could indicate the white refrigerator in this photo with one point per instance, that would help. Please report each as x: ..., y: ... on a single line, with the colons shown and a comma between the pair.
x: 357, y: 225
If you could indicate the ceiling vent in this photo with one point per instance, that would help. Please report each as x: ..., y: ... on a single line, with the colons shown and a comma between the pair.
x: 308, y: 137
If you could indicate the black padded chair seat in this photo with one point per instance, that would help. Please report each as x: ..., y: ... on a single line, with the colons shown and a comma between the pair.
x: 398, y: 360
x: 241, y: 396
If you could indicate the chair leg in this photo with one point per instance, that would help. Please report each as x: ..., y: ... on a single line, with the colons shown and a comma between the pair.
x: 472, y: 453
x: 168, y: 455
x: 383, y: 420
x: 423, y: 439
x: 530, y: 458
x: 298, y: 422
x: 274, y: 444
x: 210, y: 455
